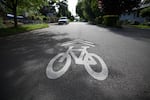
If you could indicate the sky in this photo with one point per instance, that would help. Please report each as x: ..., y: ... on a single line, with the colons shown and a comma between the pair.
x: 72, y: 6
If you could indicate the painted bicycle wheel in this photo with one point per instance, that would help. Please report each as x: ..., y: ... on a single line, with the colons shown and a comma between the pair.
x: 58, y: 66
x: 101, y: 75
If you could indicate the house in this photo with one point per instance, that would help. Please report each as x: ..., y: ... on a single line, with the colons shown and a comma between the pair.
x: 134, y: 16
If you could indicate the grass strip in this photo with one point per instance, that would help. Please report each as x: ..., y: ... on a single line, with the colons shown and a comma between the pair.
x: 141, y: 26
x: 21, y: 29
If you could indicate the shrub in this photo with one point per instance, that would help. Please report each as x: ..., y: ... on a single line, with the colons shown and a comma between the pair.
x: 146, y: 23
x: 1, y: 23
x: 135, y: 23
x: 99, y: 20
x: 111, y: 20
x: 145, y: 12
x: 126, y: 22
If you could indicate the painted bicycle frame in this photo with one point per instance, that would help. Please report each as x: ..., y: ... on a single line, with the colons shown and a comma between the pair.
x: 85, y: 58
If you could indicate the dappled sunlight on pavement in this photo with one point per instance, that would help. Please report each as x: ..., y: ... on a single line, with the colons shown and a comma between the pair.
x: 25, y: 57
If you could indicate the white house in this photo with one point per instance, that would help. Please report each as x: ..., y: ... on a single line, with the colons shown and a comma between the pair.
x: 134, y: 16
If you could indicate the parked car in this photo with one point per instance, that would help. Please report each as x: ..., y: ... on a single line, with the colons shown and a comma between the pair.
x: 63, y: 20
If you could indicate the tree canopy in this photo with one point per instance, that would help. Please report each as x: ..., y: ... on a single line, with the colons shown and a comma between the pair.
x: 49, y: 8
x: 34, y: 7
x: 14, y: 5
x: 88, y: 9
x: 117, y: 7
x: 145, y: 12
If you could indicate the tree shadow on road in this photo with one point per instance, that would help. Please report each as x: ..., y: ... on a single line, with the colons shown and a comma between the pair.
x: 23, y: 62
x: 22, y: 59
x: 138, y: 34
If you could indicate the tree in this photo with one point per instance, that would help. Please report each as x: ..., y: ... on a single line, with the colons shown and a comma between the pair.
x: 63, y: 9
x: 146, y: 1
x: 50, y: 8
x: 145, y: 12
x: 95, y: 10
x: 79, y: 9
x: 13, y: 6
x: 2, y: 10
x: 88, y: 9
x: 117, y: 7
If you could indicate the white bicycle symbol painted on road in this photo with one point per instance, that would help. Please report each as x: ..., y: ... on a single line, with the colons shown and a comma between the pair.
x: 85, y: 58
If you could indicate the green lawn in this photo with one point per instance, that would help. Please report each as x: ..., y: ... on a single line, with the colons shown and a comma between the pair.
x: 21, y: 29
x: 141, y: 26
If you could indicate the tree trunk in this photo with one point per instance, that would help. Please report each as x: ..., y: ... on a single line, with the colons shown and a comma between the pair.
x: 15, y: 12
x: 15, y: 17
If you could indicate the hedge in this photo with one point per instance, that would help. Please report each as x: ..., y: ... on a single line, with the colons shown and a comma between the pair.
x: 110, y: 20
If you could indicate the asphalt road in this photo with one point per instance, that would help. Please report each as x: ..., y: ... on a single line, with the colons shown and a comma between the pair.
x: 24, y: 59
